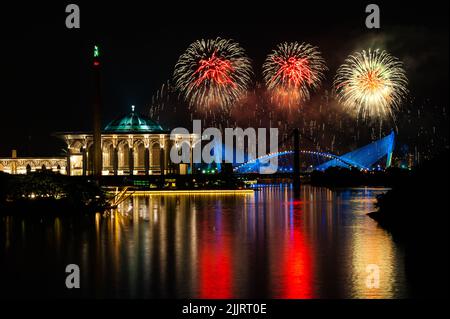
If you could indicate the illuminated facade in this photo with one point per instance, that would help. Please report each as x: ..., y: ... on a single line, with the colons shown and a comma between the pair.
x: 131, y: 145
x: 23, y: 165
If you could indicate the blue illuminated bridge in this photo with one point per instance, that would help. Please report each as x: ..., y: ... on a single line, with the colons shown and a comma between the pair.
x: 367, y: 157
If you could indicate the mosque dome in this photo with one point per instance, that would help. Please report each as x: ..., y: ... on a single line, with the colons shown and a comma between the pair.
x: 134, y: 123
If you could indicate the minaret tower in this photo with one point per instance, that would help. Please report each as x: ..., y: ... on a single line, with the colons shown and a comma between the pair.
x: 97, y: 120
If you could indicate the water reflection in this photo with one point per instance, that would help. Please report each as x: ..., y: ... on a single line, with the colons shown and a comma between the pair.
x: 371, y: 246
x: 215, y: 246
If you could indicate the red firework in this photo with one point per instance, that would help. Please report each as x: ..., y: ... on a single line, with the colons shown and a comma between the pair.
x: 213, y: 74
x: 214, y: 69
x: 291, y: 71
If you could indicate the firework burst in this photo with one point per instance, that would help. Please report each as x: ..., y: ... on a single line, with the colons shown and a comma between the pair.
x: 213, y: 73
x: 371, y: 84
x: 292, y: 70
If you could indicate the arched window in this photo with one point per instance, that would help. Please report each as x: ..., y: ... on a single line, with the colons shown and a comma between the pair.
x: 155, y: 156
x: 139, y: 156
x: 123, y: 156
x: 108, y: 156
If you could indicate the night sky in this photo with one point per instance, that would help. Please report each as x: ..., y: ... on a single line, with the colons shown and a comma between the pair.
x: 47, y: 67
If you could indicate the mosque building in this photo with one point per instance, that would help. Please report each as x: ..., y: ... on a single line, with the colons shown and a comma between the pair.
x: 133, y: 144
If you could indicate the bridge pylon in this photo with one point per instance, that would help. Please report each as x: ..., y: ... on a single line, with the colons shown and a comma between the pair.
x: 296, y: 168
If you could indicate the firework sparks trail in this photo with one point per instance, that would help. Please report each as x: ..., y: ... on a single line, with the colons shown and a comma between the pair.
x: 214, y: 69
x: 371, y: 84
x: 213, y: 73
x: 292, y: 70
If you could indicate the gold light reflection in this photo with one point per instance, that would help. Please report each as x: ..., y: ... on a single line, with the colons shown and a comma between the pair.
x: 371, y: 245
x: 58, y: 232
x: 97, y: 224
x: 8, y: 233
x: 158, y: 230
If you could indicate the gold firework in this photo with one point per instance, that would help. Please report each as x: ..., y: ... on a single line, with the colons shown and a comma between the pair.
x: 371, y: 84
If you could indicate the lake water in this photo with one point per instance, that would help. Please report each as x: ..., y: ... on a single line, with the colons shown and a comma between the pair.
x: 269, y: 244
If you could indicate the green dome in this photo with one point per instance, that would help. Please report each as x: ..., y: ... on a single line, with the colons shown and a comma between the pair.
x: 134, y: 123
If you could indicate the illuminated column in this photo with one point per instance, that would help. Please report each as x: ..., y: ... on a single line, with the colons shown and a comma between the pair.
x: 115, y: 155
x: 131, y: 160
x: 163, y: 145
x: 167, y: 163
x: 147, y: 154
x: 13, y: 167
x: 147, y: 160
x: 83, y: 152
x: 115, y: 159
x: 68, y: 163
